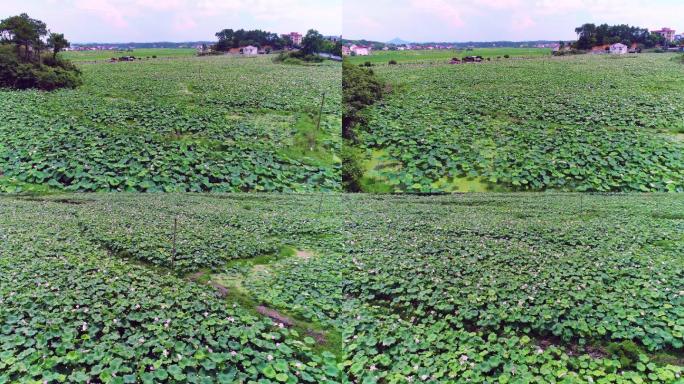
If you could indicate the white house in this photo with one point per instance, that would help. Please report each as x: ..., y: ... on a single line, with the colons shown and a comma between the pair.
x: 618, y: 49
x: 250, y: 50
x: 360, y: 50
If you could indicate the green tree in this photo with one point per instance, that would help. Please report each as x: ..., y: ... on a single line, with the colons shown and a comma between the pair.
x: 21, y: 63
x: 312, y: 42
x: 23, y: 31
x: 57, y: 42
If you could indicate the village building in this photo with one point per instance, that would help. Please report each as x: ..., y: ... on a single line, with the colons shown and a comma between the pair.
x: 605, y: 48
x: 346, y: 51
x: 295, y: 37
x: 360, y: 50
x: 667, y: 33
x: 250, y: 50
x: 618, y: 49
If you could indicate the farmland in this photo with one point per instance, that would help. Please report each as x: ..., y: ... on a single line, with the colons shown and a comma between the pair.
x: 97, y: 288
x: 582, y: 123
x: 342, y: 288
x: 413, y: 56
x: 184, y: 124
x: 79, y: 56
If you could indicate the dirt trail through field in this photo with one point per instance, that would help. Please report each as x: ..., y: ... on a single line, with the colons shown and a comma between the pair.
x: 304, y: 255
x: 225, y: 287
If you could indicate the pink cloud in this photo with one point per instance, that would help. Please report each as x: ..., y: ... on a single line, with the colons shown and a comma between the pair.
x: 445, y: 10
x: 103, y: 9
x: 183, y: 22
x: 522, y: 22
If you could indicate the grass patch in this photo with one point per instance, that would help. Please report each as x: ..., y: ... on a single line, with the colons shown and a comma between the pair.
x: 308, y: 143
x: 241, y: 269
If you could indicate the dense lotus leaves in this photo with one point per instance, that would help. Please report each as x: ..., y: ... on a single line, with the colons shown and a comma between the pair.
x: 72, y: 312
x: 468, y: 288
x: 585, y: 123
x: 208, y: 231
x: 193, y: 124
x: 513, y: 288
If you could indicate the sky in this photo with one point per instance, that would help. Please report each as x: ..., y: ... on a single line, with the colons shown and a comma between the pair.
x: 492, y: 20
x: 110, y: 21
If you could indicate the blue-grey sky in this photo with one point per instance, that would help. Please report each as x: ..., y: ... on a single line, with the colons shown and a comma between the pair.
x: 176, y: 20
x: 490, y: 20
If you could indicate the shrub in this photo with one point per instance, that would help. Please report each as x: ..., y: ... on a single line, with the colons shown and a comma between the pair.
x: 367, y: 64
x: 392, y: 62
x: 51, y: 74
x: 297, y: 58
x: 507, y: 56
x: 626, y: 351
x: 360, y: 88
x: 352, y: 167
x: 293, y: 61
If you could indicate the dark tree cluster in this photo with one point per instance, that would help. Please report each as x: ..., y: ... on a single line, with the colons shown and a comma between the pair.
x: 360, y: 89
x: 313, y: 43
x: 229, y: 38
x: 28, y: 56
x: 590, y: 35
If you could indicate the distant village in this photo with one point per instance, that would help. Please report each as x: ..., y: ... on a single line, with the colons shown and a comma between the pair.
x: 295, y: 38
x: 365, y: 49
x: 675, y: 43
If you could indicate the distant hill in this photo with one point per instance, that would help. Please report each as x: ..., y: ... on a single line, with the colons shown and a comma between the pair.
x: 398, y: 41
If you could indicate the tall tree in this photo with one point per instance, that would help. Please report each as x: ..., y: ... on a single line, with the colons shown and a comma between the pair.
x: 57, y: 42
x: 312, y: 42
x: 589, y: 35
x: 23, y: 31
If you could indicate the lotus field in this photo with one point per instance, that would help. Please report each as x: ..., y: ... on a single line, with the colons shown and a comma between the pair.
x: 226, y: 124
x: 581, y: 123
x: 325, y: 288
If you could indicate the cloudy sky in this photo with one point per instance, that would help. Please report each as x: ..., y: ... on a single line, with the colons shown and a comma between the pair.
x: 488, y: 20
x: 176, y: 20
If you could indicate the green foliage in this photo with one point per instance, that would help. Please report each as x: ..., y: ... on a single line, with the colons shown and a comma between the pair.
x: 360, y: 89
x: 426, y: 56
x: 518, y: 125
x: 71, y: 311
x: 481, y: 288
x: 297, y: 58
x: 229, y: 38
x: 590, y: 35
x: 197, y: 124
x: 312, y: 42
x: 21, y: 63
x: 352, y: 167
x: 626, y: 351
x: 513, y: 288
x: 57, y: 42
x: 81, y: 56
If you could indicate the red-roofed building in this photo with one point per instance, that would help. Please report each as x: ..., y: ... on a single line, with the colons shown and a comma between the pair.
x: 295, y: 37
x: 667, y: 33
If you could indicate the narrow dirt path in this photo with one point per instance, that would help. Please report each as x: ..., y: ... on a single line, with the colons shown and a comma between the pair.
x: 225, y: 287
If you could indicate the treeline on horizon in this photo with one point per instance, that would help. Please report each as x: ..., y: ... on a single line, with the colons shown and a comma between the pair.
x: 312, y: 42
x: 591, y: 35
